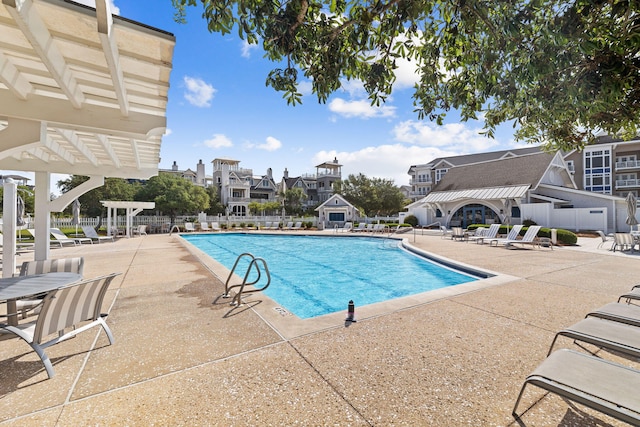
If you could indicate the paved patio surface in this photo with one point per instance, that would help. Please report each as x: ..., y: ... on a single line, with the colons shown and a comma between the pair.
x: 183, y: 356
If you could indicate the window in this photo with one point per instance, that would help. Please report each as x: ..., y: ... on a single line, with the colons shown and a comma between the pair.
x: 597, y: 171
x: 440, y: 173
x: 336, y: 216
x: 571, y: 166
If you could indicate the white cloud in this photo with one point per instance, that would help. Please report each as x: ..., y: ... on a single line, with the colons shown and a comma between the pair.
x: 455, y: 137
x: 198, y: 92
x: 270, y: 144
x: 218, y: 141
x: 168, y: 132
x: 305, y: 87
x: 360, y: 108
x: 92, y: 3
x: 246, y: 48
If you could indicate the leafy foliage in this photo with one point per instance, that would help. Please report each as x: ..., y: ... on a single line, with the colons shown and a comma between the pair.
x: 174, y: 195
x: 374, y: 196
x: 560, y: 71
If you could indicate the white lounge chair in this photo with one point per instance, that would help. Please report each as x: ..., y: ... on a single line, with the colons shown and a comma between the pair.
x: 362, y: 226
x: 188, y: 226
x: 59, y: 236
x: 204, y: 226
x: 591, y: 381
x: 297, y: 226
x: 215, y: 226
x: 529, y: 237
x: 512, y: 236
x: 348, y: 226
x: 289, y: 226
x: 486, y: 234
x: 69, y: 307
x: 92, y: 234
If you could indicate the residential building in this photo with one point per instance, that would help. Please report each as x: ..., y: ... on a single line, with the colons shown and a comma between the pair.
x: 317, y: 188
x: 198, y: 177
x: 238, y: 186
x: 538, y: 186
x: 609, y: 166
x: 425, y: 176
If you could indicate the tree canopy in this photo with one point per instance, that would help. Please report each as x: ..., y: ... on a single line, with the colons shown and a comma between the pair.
x: 374, y: 196
x: 174, y: 195
x: 560, y: 71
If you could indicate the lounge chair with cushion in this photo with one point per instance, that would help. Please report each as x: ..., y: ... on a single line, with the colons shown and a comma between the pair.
x: 62, y: 265
x: 618, y: 312
x: 140, y: 230
x: 188, y: 226
x: 215, y: 226
x: 298, y: 226
x: 92, y: 234
x: 75, y: 306
x: 600, y: 333
x: 204, y: 226
x: 590, y: 381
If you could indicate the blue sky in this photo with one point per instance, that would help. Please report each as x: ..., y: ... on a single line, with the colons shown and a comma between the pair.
x: 219, y: 106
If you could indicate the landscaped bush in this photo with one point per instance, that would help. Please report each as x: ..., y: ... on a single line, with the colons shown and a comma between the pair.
x: 565, y: 237
x: 411, y: 220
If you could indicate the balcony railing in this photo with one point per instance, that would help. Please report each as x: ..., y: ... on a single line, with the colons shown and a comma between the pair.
x: 421, y: 181
x: 626, y: 183
x: 631, y: 164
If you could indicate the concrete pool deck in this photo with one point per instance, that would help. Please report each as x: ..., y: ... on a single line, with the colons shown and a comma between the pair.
x: 184, y: 356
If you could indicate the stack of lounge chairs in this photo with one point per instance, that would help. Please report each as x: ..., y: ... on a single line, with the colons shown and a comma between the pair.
x: 600, y: 384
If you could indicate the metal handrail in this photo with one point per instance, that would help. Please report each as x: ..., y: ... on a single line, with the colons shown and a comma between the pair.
x: 237, y: 299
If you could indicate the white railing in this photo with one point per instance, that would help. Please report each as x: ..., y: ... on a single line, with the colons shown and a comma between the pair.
x: 630, y: 164
x: 624, y: 183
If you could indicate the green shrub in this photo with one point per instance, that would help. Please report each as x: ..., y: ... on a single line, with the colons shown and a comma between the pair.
x: 527, y: 222
x: 411, y: 219
x: 565, y: 237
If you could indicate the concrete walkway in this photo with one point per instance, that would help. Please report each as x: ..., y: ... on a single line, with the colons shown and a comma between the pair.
x: 183, y: 356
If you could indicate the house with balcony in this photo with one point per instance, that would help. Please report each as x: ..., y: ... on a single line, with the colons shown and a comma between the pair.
x: 234, y: 185
x: 318, y: 187
x: 609, y: 166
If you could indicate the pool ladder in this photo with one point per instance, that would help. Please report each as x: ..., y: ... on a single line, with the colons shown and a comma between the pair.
x: 254, y: 263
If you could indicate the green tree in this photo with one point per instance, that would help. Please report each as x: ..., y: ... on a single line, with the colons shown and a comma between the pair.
x: 374, y: 196
x: 215, y: 206
x: 265, y: 208
x: 558, y: 70
x: 293, y: 199
x: 174, y: 195
x: 113, y: 189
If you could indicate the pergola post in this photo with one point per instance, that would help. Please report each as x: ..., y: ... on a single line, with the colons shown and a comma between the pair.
x: 9, y: 200
x: 42, y: 215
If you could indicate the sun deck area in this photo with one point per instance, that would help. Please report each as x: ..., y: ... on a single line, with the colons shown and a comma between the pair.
x: 182, y: 355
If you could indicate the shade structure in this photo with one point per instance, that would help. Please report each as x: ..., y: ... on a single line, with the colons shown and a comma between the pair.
x: 631, y: 210
x: 81, y: 91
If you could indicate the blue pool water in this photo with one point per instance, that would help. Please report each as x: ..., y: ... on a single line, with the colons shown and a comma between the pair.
x: 316, y: 275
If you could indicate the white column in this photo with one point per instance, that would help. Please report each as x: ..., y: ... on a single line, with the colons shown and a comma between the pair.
x: 9, y: 228
x: 42, y: 223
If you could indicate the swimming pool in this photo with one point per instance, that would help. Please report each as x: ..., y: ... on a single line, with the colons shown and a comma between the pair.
x: 316, y: 275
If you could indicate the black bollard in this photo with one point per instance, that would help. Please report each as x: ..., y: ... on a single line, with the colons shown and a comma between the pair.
x: 351, y: 312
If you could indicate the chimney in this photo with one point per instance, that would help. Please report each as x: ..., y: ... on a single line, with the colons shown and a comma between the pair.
x: 286, y: 173
x: 200, y: 173
x: 174, y: 167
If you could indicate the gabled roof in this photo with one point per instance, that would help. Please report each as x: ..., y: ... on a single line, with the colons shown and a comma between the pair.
x: 512, y: 171
x: 81, y: 90
x: 335, y: 201
x: 484, y: 157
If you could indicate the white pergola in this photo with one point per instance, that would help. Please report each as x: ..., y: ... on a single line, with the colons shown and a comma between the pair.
x: 131, y: 209
x: 82, y: 92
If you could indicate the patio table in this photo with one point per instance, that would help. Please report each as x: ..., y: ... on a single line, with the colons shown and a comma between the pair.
x: 20, y: 287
